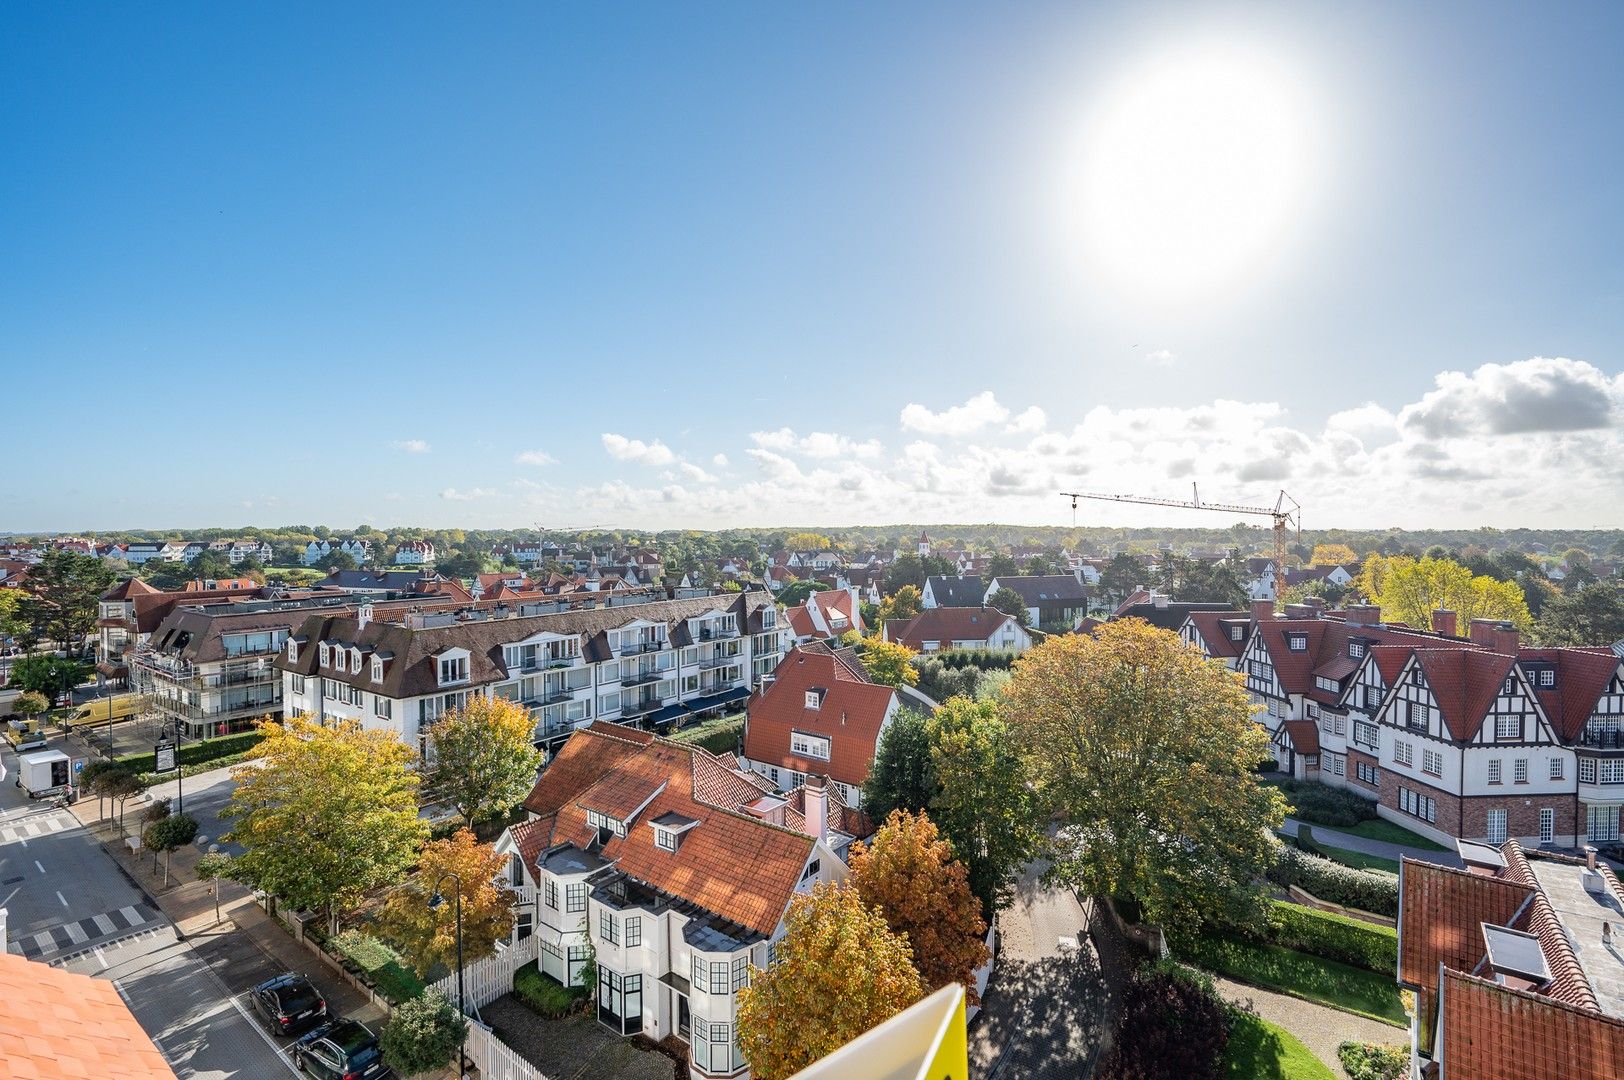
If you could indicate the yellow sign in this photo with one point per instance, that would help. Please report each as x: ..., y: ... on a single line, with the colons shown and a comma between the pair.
x: 925, y: 1041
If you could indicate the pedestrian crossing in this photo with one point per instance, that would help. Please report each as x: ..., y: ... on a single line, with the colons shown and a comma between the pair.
x: 72, y: 936
x: 35, y: 826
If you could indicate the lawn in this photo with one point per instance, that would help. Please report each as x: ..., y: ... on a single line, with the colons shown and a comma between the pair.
x: 719, y: 736
x: 1259, y: 1050
x: 1357, y: 859
x: 1390, y: 832
x: 380, y: 965
x: 1311, y: 978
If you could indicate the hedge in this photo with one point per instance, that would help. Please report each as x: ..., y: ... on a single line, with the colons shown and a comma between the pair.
x: 542, y: 993
x: 1334, y: 937
x: 1333, y: 807
x: 719, y: 736
x: 200, y: 752
x: 1367, y: 890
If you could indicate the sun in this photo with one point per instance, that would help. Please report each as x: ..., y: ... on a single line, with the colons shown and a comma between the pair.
x: 1194, y: 173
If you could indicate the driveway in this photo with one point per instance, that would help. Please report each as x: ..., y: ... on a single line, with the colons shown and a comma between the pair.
x: 1381, y: 849
x: 574, y: 1048
x: 1042, y: 1013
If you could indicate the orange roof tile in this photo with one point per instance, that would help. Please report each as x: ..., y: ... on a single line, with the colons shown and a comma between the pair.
x: 849, y: 715
x: 1491, y: 1032
x: 60, y: 1026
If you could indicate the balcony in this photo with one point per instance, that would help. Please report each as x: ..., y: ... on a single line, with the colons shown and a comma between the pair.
x: 1602, y: 740
x: 641, y: 647
x: 717, y: 661
x: 638, y: 678
x: 640, y: 708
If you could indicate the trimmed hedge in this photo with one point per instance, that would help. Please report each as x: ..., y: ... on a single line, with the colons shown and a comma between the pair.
x: 1332, y: 807
x: 719, y: 736
x: 200, y: 752
x: 542, y: 994
x: 1367, y: 890
x: 1335, y: 937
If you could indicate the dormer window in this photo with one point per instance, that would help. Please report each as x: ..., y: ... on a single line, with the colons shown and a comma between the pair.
x: 814, y: 699
x: 769, y: 618
x: 1547, y: 678
x: 293, y: 649
x: 377, y: 670
x: 1356, y: 649
x: 453, y: 669
x: 324, y: 654
x: 1297, y: 642
x: 1236, y: 633
x: 355, y: 661
x: 665, y: 839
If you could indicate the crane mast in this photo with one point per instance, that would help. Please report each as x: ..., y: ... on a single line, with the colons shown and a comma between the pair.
x: 1286, y: 514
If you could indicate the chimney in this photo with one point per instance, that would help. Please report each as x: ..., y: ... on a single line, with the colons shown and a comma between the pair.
x: 1262, y: 610
x: 1443, y: 622
x: 817, y: 807
x: 1364, y: 614
x: 1159, y: 599
x: 1300, y: 611
x: 1494, y: 635
x: 1590, y: 856
x: 1317, y: 603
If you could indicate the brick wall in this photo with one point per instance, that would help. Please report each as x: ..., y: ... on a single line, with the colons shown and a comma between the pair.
x: 1354, y: 758
x: 1467, y: 818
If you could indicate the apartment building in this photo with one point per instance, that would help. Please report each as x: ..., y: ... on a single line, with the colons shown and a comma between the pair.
x: 356, y: 548
x: 130, y: 611
x: 670, y: 868
x: 1475, y: 737
x: 414, y: 553
x: 635, y: 661
x: 1514, y: 965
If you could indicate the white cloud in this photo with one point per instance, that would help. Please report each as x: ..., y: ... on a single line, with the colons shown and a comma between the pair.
x: 818, y: 444
x: 981, y: 410
x: 1367, y: 419
x: 695, y: 473
x: 1033, y: 419
x: 1536, y: 395
x: 720, y: 461
x: 624, y: 449
x: 1162, y: 357
x: 411, y: 446
x: 534, y: 457
x: 453, y: 495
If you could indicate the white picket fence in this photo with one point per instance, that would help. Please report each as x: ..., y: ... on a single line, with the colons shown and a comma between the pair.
x: 495, y: 1059
x: 483, y: 982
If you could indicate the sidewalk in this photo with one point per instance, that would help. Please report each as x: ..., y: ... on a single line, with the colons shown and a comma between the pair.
x: 1378, y: 848
x: 1321, y: 1028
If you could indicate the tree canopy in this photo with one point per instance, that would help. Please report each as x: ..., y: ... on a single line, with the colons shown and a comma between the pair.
x: 1144, y: 751
x: 904, y: 603
x: 48, y: 675
x: 1333, y: 555
x: 1593, y: 615
x: 840, y: 971
x: 485, y: 761
x: 64, y: 589
x: 1010, y: 603
x: 797, y: 591
x: 1410, y: 590
x: 427, y: 935
x: 326, y: 814
x: 901, y: 777
x: 889, y: 663
x: 908, y: 873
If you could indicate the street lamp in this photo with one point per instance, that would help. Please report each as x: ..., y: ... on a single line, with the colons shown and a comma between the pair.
x: 434, y: 903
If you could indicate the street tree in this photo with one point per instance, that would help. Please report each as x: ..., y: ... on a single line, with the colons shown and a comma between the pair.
x: 215, y: 867
x: 1143, y: 750
x: 168, y: 833
x: 901, y: 777
x: 1010, y: 603
x: 982, y: 802
x: 840, y: 971
x: 48, y: 675
x: 908, y: 873
x: 30, y: 703
x: 889, y: 663
x: 485, y: 761
x: 427, y: 933
x: 325, y: 814
x: 64, y: 588
x: 12, y: 623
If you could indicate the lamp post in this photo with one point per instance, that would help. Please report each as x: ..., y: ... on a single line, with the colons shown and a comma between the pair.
x: 434, y: 902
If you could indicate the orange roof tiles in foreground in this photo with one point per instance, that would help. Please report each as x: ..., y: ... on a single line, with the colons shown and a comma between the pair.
x: 56, y: 1025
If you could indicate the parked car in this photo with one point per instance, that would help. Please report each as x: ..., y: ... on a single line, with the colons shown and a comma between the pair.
x: 340, y: 1050
x: 289, y: 1004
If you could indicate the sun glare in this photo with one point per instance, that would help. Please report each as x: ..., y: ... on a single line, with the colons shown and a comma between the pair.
x: 1194, y: 173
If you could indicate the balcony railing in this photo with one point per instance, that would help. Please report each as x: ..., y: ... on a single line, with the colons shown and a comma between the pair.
x: 642, y: 647
x: 640, y: 708
x: 1602, y: 740
x: 638, y: 678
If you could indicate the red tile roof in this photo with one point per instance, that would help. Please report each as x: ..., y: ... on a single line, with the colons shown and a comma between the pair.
x: 1464, y: 683
x: 60, y: 1026
x: 1582, y: 676
x: 1304, y: 736
x: 1492, y: 1032
x: 588, y: 755
x: 1214, y: 630
x: 945, y: 625
x: 849, y: 716
x: 1441, y: 912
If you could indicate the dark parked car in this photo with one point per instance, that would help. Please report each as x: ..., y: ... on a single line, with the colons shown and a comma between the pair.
x: 289, y: 1004
x: 340, y: 1050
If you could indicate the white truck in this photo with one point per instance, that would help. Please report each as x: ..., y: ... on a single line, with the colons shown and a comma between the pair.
x: 46, y: 774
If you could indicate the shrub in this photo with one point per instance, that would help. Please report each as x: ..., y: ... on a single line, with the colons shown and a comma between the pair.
x: 1332, y: 807
x: 1368, y: 890
x: 422, y: 1034
x: 1334, y: 937
x: 169, y: 832
x: 940, y: 681
x: 1171, y: 1027
x: 1368, y: 1061
x: 981, y: 659
x: 156, y: 810
x: 200, y: 752
x: 542, y: 993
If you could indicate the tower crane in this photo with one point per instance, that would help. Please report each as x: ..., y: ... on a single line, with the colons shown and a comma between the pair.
x: 1285, y: 512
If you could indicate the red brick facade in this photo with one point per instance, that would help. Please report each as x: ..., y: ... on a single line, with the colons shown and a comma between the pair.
x: 1467, y: 817
x: 1354, y: 760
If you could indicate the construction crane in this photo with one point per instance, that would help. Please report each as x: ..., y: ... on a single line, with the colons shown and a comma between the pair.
x: 1285, y: 512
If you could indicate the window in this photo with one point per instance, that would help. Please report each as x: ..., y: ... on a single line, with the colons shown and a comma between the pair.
x: 550, y: 891
x: 1339, y: 724
x: 1556, y: 768
x: 524, y: 925
x: 813, y: 699
x: 377, y: 670
x: 1368, y: 774
x: 1519, y: 771
x: 355, y: 661
x: 1403, y: 752
x: 1547, y: 679
x: 1236, y: 633
x: 1612, y: 772
x: 324, y: 655
x: 1497, y: 827
x: 814, y: 746
x: 1366, y: 734
x: 296, y: 684
x: 609, y: 928
x: 1329, y: 685
x: 1508, y: 728
x: 575, y: 896
x: 453, y: 669
x: 604, y: 823
x: 701, y: 978
x: 1587, y: 770
x: 665, y: 839
x: 720, y: 977
x: 1356, y: 649
x: 711, y: 1047
x: 1547, y: 825
x: 293, y: 649
x: 1415, y: 715
x: 1417, y: 805
x: 811, y: 870
x: 741, y: 972
x: 385, y: 707
x: 1373, y: 697
x: 1432, y: 762
x: 1494, y: 770
x: 634, y: 931
x: 1338, y: 764
x: 1297, y: 642
x: 1601, y: 823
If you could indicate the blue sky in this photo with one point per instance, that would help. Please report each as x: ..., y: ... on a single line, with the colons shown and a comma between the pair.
x: 711, y: 265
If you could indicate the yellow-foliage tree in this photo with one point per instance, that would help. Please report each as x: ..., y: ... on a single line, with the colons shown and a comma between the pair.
x: 1144, y: 750
x: 1333, y: 555
x: 840, y: 971
x: 1410, y: 590
x: 427, y: 933
x: 905, y: 603
x: 908, y: 873
x: 807, y: 541
x: 888, y: 662
x: 485, y: 759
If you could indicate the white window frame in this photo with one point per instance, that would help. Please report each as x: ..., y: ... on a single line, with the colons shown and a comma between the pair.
x: 814, y: 699
x: 1495, y: 827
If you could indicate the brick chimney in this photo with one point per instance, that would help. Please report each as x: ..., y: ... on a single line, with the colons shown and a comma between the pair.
x: 817, y: 807
x: 1443, y: 622
x: 1262, y: 610
x: 1496, y: 636
x: 1364, y: 614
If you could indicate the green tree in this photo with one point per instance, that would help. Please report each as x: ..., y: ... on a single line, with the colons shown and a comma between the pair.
x: 1010, y: 603
x: 901, y: 777
x: 64, y: 589
x: 1001, y: 565
x: 31, y: 703
x: 211, y: 565
x: 48, y: 675
x: 1144, y: 752
x: 485, y: 760
x: 1121, y: 576
x: 1410, y: 590
x: 166, y: 835
x: 906, y: 569
x: 797, y: 591
x: 983, y: 802
x: 840, y: 971
x: 905, y: 603
x: 422, y: 1035
x: 215, y: 867
x: 888, y: 662
x: 12, y: 623
x: 1590, y: 616
x: 326, y: 814
x: 336, y: 560
x: 1045, y: 562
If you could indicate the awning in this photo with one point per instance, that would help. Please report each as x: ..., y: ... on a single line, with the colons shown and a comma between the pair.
x: 738, y: 693
x: 668, y: 714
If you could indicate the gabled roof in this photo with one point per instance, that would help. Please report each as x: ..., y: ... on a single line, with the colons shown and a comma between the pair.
x: 1304, y: 735
x: 63, y: 1026
x: 1494, y: 1031
x: 1582, y: 676
x: 1214, y: 626
x: 850, y: 713
x: 947, y: 625
x: 1038, y: 589
x: 1464, y: 683
x: 128, y: 588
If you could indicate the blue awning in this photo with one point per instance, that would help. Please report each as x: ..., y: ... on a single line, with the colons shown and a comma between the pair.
x: 726, y: 697
x: 668, y: 714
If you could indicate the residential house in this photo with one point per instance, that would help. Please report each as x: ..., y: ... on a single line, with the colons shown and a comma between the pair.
x: 414, y: 553
x: 1161, y: 610
x: 486, y: 584
x: 672, y: 872
x: 826, y: 615
x: 961, y: 591
x: 1514, y: 964
x: 1051, y: 600
x: 356, y: 548
x: 238, y: 551
x: 138, y: 553
x: 641, y: 662
x: 1221, y: 635
x: 818, y: 715
x: 935, y: 629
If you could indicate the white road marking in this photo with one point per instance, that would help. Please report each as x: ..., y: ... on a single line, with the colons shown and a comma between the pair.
x: 131, y: 914
x: 105, y: 925
x: 38, y: 867
x: 76, y: 935
x: 281, y: 1055
x: 45, y: 942
x: 100, y: 958
x: 62, y: 899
